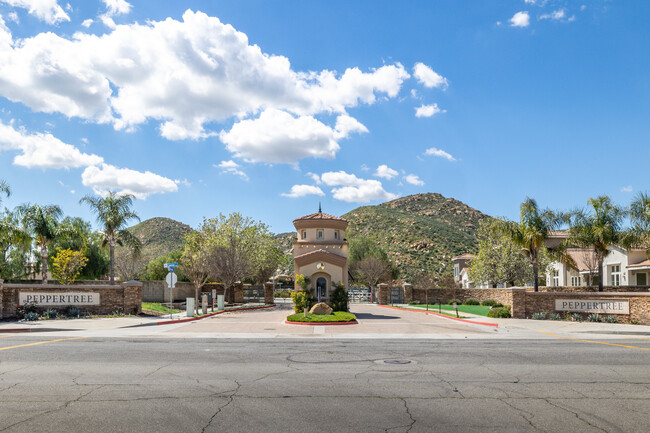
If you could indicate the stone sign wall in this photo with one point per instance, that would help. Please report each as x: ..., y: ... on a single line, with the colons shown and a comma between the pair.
x: 593, y: 306
x: 94, y: 299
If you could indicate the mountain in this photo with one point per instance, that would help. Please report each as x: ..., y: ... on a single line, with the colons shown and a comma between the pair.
x: 420, y: 232
x: 160, y: 236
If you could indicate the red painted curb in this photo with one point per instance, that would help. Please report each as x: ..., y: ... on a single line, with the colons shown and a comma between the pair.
x: 321, y: 323
x: 192, y: 319
x: 12, y: 331
x: 442, y: 315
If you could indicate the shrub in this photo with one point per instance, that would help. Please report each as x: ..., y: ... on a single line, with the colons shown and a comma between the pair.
x: 67, y: 265
x: 31, y: 316
x: 610, y: 319
x: 472, y: 301
x: 538, y: 316
x: 498, y: 304
x: 51, y: 314
x: 489, y: 303
x: 302, y: 300
x: 457, y: 301
x: 576, y: 317
x: 72, y: 311
x: 499, y: 312
x: 594, y: 318
x: 339, y: 298
x: 414, y: 303
x: 555, y: 316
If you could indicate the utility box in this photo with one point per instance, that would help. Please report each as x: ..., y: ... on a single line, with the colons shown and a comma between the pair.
x: 219, y: 302
x: 189, y: 307
x: 204, y: 303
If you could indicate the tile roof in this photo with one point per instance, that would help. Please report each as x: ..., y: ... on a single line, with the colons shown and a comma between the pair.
x: 464, y: 256
x: 643, y: 263
x: 319, y: 216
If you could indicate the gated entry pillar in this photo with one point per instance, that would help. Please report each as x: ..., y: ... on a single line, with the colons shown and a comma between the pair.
x: 408, y: 293
x: 382, y: 294
x: 268, y: 293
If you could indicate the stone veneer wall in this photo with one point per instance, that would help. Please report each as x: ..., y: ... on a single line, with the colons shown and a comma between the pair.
x: 567, y: 289
x: 157, y: 291
x: 125, y: 297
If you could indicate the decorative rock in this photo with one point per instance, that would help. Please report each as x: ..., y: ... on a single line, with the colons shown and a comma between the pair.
x: 321, y: 308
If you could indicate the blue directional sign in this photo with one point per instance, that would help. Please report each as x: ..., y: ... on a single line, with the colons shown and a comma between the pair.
x: 170, y: 268
x: 168, y: 265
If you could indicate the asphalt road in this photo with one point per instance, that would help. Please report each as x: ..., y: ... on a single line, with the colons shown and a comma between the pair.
x: 213, y: 385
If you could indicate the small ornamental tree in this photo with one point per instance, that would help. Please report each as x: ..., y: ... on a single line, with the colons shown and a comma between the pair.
x: 339, y: 298
x: 67, y: 265
x: 304, y: 298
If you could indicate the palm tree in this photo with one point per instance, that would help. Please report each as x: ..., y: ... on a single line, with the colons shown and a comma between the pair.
x: 531, y: 233
x: 5, y: 189
x: 599, y: 228
x: 42, y: 222
x: 640, y: 218
x: 113, y: 213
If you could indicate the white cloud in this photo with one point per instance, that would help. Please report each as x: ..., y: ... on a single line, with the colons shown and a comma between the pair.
x: 315, y: 178
x: 532, y: 2
x: 303, y: 190
x: 364, y: 167
x: 87, y: 23
x: 231, y: 167
x: 520, y: 19
x: 627, y: 188
x: 279, y: 137
x: 413, y: 180
x: 428, y: 77
x: 45, y: 10
x: 555, y: 15
x: 385, y: 172
x: 352, y: 189
x: 13, y: 16
x: 439, y: 152
x: 179, y: 74
x: 39, y: 150
x: 117, y: 7
x: 427, y: 110
x: 108, y: 177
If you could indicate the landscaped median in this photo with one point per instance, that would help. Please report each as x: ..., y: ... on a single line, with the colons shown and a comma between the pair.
x: 446, y: 316
x: 336, y: 318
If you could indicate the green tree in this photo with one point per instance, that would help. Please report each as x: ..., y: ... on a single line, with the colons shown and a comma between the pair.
x: 43, y: 224
x: 155, y: 269
x: 599, y: 227
x: 15, y: 247
x: 268, y: 258
x: 113, y: 213
x: 196, y: 260
x: 531, y: 233
x: 4, y: 189
x: 67, y: 265
x: 362, y: 248
x: 640, y: 218
x: 500, y: 259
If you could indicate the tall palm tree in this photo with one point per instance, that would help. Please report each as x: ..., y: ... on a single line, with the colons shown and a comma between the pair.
x: 640, y: 218
x: 113, y: 214
x: 42, y: 222
x: 531, y: 233
x: 598, y: 228
x: 5, y: 189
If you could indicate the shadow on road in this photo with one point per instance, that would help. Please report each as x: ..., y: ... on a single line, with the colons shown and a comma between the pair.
x: 370, y: 316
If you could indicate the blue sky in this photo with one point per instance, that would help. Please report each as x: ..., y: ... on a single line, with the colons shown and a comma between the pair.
x: 267, y: 108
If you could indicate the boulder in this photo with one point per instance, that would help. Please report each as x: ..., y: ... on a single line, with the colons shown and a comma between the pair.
x: 321, y: 308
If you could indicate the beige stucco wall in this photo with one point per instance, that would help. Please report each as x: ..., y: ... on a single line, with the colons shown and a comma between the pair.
x: 333, y: 273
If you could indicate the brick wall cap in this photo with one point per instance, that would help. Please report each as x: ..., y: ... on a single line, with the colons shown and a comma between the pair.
x: 132, y: 283
x: 597, y: 294
x: 513, y: 289
x: 62, y: 286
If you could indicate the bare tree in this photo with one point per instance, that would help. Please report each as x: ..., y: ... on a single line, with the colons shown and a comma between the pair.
x: 589, y: 260
x: 231, y: 264
x: 196, y: 262
x: 129, y: 264
x: 426, y: 282
x: 371, y: 271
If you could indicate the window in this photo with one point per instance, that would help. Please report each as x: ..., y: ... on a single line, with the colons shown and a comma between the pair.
x: 575, y: 281
x: 615, y: 279
x: 641, y: 279
x: 304, y: 234
x: 456, y: 270
x: 556, y: 277
x: 336, y: 235
x: 320, y: 235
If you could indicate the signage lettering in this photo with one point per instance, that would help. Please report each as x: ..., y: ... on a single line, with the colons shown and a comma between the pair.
x: 58, y: 299
x: 593, y: 306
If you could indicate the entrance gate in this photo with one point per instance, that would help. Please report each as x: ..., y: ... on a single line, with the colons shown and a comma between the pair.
x: 360, y: 294
x: 396, y: 295
x: 253, y: 294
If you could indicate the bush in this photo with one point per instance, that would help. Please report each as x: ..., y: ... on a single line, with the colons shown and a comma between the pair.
x: 339, y: 298
x: 302, y: 300
x: 472, y: 301
x: 576, y: 317
x: 51, y: 314
x: 498, y: 304
x: 555, y: 316
x: 457, y: 301
x: 489, y: 303
x: 538, y: 316
x: 610, y: 319
x: 72, y: 311
x: 499, y: 312
x: 594, y: 318
x: 414, y: 303
x: 31, y: 316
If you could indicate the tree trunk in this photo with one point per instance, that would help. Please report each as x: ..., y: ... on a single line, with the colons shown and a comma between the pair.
x: 44, y: 262
x: 536, y: 277
x: 600, y: 275
x: 111, y: 248
x: 196, y: 299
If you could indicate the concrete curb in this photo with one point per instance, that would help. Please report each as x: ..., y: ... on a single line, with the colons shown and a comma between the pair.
x: 444, y: 316
x: 22, y: 330
x: 192, y: 319
x: 321, y: 323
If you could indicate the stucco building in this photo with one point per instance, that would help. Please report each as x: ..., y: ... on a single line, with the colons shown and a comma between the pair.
x: 321, y: 252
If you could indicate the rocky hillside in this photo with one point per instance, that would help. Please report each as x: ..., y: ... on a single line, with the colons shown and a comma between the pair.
x: 419, y: 232
x: 160, y: 236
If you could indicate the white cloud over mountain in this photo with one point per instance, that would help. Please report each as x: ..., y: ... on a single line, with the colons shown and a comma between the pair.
x: 303, y: 190
x: 45, y: 10
x: 413, y: 180
x: 385, y: 172
x: 108, y: 177
x: 352, y: 189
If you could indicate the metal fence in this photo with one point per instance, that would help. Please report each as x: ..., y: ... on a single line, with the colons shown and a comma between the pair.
x: 254, y: 294
x: 360, y: 294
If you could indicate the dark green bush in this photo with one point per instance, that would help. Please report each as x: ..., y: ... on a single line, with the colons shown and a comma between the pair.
x: 472, y: 301
x: 457, y: 301
x: 414, y: 303
x: 489, y: 303
x: 72, y: 311
x: 610, y: 319
x: 499, y: 312
x: 538, y: 316
x: 555, y: 316
x: 339, y: 298
x: 594, y: 318
x: 51, y: 314
x: 31, y: 316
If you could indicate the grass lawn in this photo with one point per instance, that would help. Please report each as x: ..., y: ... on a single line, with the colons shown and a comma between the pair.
x: 337, y: 316
x: 157, y: 306
x: 471, y: 309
